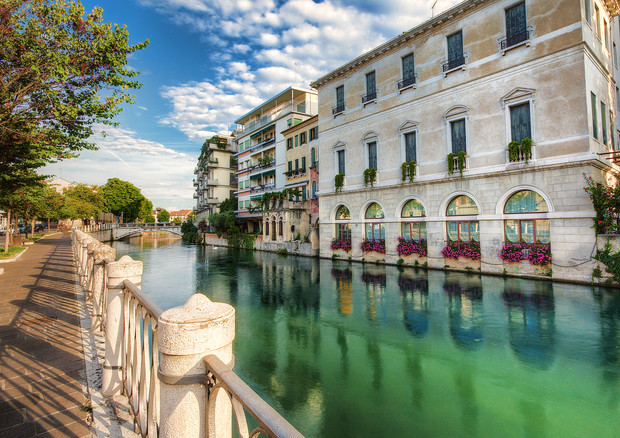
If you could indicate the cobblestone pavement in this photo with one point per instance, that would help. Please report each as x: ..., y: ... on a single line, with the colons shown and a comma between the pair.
x: 42, y: 369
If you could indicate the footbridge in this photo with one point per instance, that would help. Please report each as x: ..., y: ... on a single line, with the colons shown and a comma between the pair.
x: 107, y: 232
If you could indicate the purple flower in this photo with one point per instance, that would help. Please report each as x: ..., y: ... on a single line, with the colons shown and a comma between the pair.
x: 343, y: 244
x: 373, y: 245
x: 469, y: 250
x: 408, y: 247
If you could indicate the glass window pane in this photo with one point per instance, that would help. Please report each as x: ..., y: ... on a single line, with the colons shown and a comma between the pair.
x: 369, y: 231
x: 343, y: 213
x: 515, y: 20
x: 372, y: 154
x: 464, y: 231
x: 453, y: 231
x: 462, y: 206
x: 381, y: 234
x: 408, y: 67
x: 455, y: 46
x: 520, y: 122
x: 415, y: 231
x: 422, y: 230
x: 374, y: 211
x: 410, y: 141
x: 527, y: 231
x: 370, y: 82
x: 413, y: 208
x: 405, y: 230
x: 474, y: 230
x: 512, y: 230
x: 459, y: 139
x: 543, y: 234
x: 340, y: 161
x: 526, y: 201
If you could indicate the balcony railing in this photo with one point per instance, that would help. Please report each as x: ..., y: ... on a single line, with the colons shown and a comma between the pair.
x: 452, y: 64
x: 406, y: 82
x: 338, y: 109
x: 369, y: 97
x: 212, y: 182
x: 260, y: 146
x: 515, y: 39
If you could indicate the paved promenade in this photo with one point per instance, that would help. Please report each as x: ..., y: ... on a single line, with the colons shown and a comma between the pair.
x: 42, y: 369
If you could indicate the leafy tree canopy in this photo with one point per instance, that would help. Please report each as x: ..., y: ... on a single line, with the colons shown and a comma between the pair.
x: 82, y: 202
x: 163, y: 216
x: 229, y: 204
x: 61, y: 71
x: 124, y: 199
x: 146, y: 209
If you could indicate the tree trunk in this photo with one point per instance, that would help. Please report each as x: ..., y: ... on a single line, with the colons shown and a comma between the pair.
x: 7, y: 235
x: 32, y: 221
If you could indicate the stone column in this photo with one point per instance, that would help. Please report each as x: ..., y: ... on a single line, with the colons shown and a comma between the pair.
x: 435, y: 241
x: 84, y: 259
x: 123, y: 269
x: 186, y: 335
x: 491, y: 232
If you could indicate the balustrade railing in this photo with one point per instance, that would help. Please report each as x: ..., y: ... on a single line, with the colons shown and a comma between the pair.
x: 143, y: 345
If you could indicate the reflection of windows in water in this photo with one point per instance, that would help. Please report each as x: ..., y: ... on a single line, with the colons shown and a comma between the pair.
x: 342, y: 273
x: 379, y: 279
x: 453, y: 288
x: 412, y: 284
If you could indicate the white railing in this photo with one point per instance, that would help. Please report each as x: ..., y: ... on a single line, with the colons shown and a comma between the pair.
x: 170, y: 365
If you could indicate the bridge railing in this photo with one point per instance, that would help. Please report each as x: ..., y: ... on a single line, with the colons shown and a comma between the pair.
x: 175, y: 367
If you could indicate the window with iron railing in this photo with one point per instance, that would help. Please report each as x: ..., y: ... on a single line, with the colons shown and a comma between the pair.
x: 371, y: 88
x: 408, y: 72
x: 456, y: 57
x: 339, y: 100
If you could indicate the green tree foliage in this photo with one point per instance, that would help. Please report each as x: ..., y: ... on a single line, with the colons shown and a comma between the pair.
x: 229, y: 204
x: 146, y: 210
x: 163, y: 216
x: 82, y: 202
x: 223, y: 222
x: 124, y: 199
x: 61, y: 72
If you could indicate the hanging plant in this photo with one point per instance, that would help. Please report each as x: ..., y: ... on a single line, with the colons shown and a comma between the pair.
x: 403, y: 171
x: 370, y: 176
x: 526, y: 148
x: 450, y: 159
x: 461, y: 161
x: 339, y: 181
x: 412, y: 165
x: 513, y: 151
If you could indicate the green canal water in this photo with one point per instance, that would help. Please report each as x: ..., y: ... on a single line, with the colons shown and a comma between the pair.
x: 351, y: 350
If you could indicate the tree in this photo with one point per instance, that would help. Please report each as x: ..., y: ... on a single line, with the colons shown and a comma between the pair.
x: 50, y: 206
x: 163, y: 216
x: 229, y: 204
x: 146, y: 211
x: 124, y: 199
x: 82, y: 202
x: 61, y: 72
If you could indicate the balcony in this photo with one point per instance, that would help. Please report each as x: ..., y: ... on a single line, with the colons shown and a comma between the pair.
x: 212, y: 182
x: 452, y: 64
x: 338, y: 109
x: 514, y: 40
x: 369, y: 97
x: 195, y: 183
x: 211, y: 201
x: 406, y: 82
x: 260, y: 146
x: 295, y: 173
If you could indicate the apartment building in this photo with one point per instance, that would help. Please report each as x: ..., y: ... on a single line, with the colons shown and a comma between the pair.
x: 216, y: 175
x: 475, y: 128
x: 261, y: 149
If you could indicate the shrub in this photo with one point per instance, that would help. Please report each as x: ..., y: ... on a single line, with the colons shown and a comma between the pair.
x: 408, y: 247
x: 469, y: 250
x: 373, y: 245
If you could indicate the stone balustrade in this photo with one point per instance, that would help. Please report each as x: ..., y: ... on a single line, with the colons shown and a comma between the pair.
x: 174, y: 367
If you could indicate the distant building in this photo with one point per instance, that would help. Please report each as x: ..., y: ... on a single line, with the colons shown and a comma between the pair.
x: 60, y: 184
x: 180, y: 214
x: 216, y: 178
x: 261, y: 149
x: 426, y: 137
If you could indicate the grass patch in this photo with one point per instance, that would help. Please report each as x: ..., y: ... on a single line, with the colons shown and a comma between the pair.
x: 13, y: 251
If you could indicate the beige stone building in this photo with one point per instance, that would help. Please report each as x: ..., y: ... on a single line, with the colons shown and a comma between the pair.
x: 444, y: 112
x: 216, y: 178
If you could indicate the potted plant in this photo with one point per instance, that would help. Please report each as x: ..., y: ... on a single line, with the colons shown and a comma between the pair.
x: 370, y: 176
x: 339, y: 182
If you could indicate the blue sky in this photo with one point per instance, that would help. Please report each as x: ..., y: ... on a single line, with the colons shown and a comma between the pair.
x: 211, y: 61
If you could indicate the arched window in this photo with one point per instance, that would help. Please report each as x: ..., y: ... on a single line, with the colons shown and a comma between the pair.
x: 374, y: 229
x: 267, y: 228
x: 465, y: 229
x: 343, y: 225
x: 280, y: 228
x: 529, y: 230
x: 412, y: 225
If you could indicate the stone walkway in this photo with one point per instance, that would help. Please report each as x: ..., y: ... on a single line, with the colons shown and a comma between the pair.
x: 42, y: 369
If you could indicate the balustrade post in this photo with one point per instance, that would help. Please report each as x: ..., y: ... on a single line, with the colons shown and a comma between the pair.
x: 186, y: 335
x: 100, y: 255
x: 124, y: 269
x: 86, y: 240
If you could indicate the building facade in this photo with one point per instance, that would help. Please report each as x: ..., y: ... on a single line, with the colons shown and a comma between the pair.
x: 261, y: 149
x: 470, y: 135
x: 216, y: 175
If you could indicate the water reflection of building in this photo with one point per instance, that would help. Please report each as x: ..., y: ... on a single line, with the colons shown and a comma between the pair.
x: 375, y: 279
x: 531, y: 321
x: 414, y: 293
x: 344, y: 287
x: 465, y: 311
x: 609, y: 311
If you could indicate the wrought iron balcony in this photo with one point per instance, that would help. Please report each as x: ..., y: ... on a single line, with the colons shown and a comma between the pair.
x: 451, y: 64
x: 406, y: 82
x: 338, y: 109
x: 515, y: 39
x: 369, y: 97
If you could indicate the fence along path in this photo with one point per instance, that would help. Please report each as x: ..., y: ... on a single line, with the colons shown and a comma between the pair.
x: 175, y: 367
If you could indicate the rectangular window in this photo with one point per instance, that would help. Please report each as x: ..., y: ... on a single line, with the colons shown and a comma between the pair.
x: 605, y: 34
x: 339, y: 100
x: 588, y: 12
x: 459, y: 136
x: 296, y: 140
x: 520, y: 126
x: 516, y: 25
x: 410, y: 141
x: 604, y: 123
x: 455, y: 50
x: 597, y: 20
x: 313, y: 133
x: 371, y: 87
x: 341, y: 162
x: 303, y: 163
x: 372, y: 155
x: 594, y: 120
x: 408, y: 67
x: 290, y: 166
x: 615, y: 55
x: 296, y: 164
x: 611, y: 130
x: 302, y: 138
x: 289, y: 143
x: 303, y: 193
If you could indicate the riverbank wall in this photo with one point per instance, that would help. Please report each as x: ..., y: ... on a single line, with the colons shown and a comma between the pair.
x: 295, y: 247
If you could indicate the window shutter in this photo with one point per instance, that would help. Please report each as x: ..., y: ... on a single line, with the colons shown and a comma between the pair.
x: 515, y: 20
x: 410, y: 143
x: 372, y: 154
x: 455, y: 46
x: 408, y: 67
x: 459, y: 140
x: 520, y: 122
x: 370, y: 83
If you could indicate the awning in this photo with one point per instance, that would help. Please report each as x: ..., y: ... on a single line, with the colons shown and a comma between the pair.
x: 256, y: 198
x: 270, y: 172
x: 256, y: 176
x: 297, y: 184
x: 256, y: 134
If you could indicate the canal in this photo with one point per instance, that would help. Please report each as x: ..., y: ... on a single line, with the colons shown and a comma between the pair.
x: 352, y: 350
